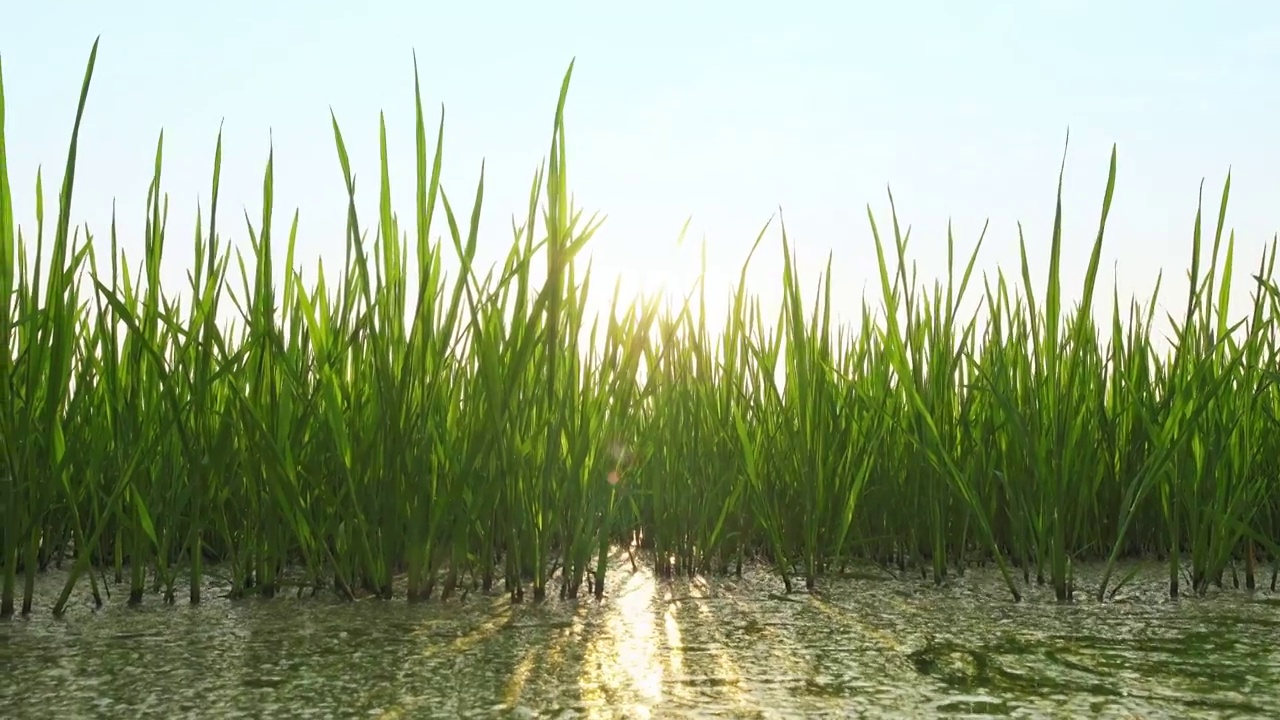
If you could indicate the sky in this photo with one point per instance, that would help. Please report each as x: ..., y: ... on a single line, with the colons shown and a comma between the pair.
x: 720, y: 114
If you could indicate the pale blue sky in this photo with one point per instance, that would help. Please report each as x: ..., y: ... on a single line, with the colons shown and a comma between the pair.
x: 720, y: 111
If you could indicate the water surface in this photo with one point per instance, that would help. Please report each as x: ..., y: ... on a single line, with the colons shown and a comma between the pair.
x: 719, y: 647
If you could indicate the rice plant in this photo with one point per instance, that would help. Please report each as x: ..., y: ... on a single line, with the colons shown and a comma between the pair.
x: 483, y: 430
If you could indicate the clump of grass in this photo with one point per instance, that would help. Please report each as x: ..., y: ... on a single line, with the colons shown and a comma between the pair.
x: 483, y: 429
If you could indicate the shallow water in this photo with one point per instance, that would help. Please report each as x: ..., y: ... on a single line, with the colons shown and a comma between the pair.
x: 686, y: 648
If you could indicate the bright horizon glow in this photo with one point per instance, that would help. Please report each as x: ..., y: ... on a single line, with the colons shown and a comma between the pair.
x: 724, y: 115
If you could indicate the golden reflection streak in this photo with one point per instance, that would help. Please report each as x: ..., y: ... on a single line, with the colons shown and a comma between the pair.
x: 484, y: 630
x: 546, y: 659
x: 621, y: 668
x: 733, y: 692
x: 772, y: 653
x: 519, y: 676
x: 675, y: 646
x: 500, y: 614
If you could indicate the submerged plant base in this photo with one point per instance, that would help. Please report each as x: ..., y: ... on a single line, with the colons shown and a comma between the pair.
x: 220, y: 582
x: 399, y: 428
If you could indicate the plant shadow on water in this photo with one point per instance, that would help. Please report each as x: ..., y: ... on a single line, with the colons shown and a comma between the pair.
x: 718, y: 646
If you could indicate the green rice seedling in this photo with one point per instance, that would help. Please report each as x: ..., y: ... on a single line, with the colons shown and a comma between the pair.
x: 926, y: 429
x: 9, y: 542
x: 38, y: 463
x: 1218, y: 490
x: 827, y: 437
x: 690, y: 481
x: 1052, y: 423
x: 1198, y: 376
